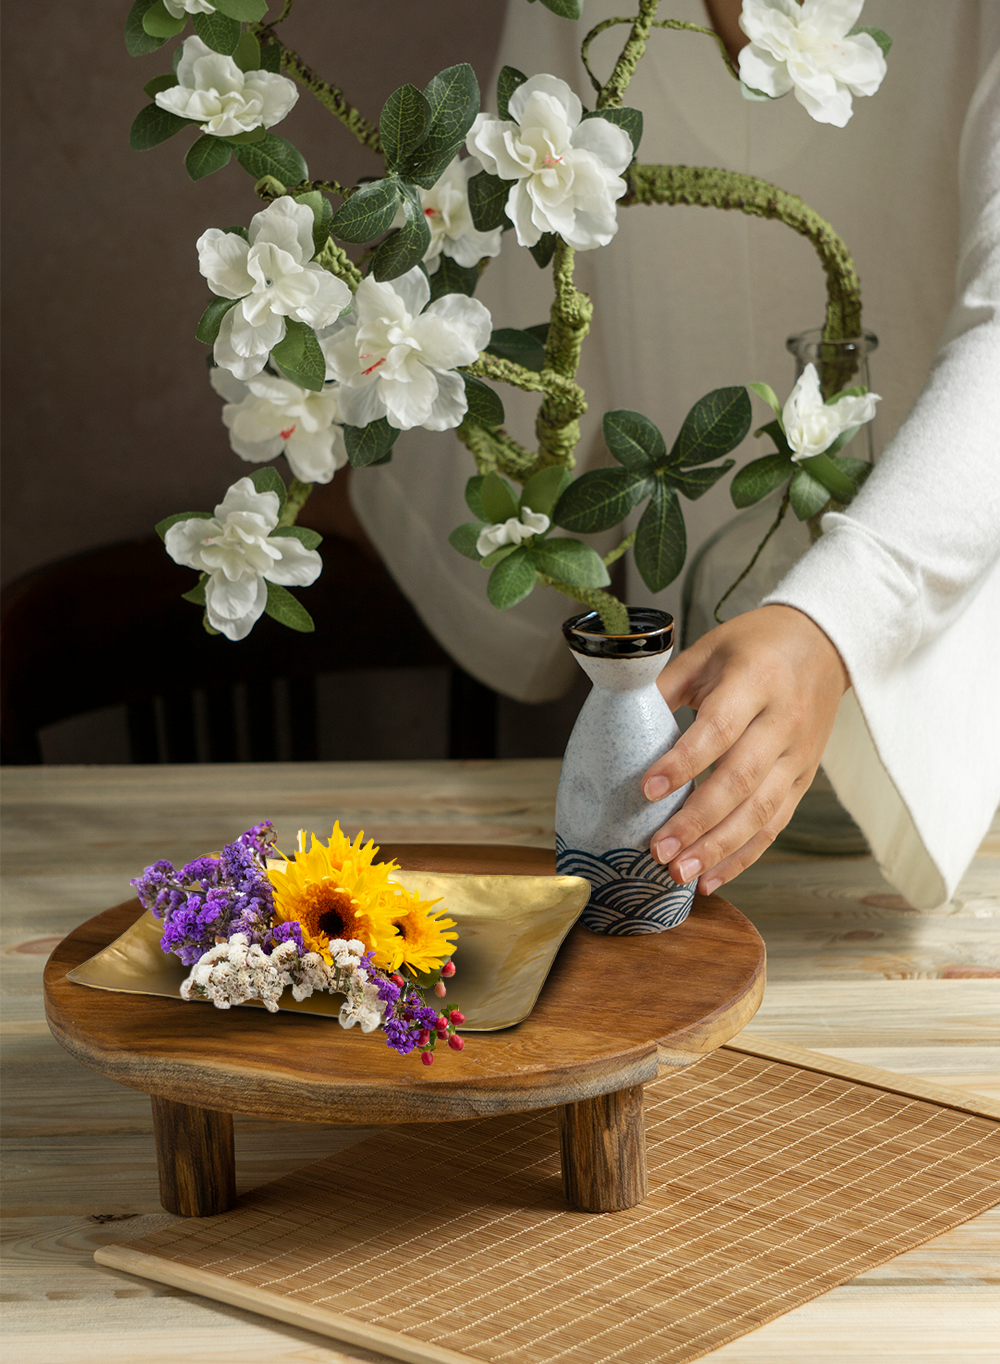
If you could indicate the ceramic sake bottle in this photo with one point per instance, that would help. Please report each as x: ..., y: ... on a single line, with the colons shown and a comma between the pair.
x: 603, y: 821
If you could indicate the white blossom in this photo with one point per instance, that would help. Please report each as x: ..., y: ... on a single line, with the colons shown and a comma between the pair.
x: 226, y: 101
x: 395, y: 357
x: 453, y: 233
x: 567, y: 172
x: 237, y: 551
x: 274, y: 277
x: 811, y: 425
x: 178, y: 8
x: 512, y: 531
x: 806, y: 48
x: 269, y: 416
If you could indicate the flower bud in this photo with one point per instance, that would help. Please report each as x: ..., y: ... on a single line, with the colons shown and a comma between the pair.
x: 397, y: 979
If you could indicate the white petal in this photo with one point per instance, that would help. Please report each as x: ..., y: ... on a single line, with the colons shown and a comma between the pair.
x: 226, y: 386
x: 519, y: 210
x: 244, y: 497
x: 234, y: 608
x: 450, y: 405
x: 184, y: 538
x: 359, y: 406
x: 549, y: 85
x: 611, y: 145
x: 409, y: 401
x: 330, y: 299
x: 297, y: 566
x: 222, y: 259
x: 488, y: 141
x: 277, y: 95
x: 313, y: 456
x: 414, y: 290
x: 192, y: 50
x: 288, y: 225
x: 243, y: 366
x: 256, y: 452
x: 760, y: 71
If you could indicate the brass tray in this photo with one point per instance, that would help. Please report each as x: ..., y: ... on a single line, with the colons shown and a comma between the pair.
x: 510, y: 929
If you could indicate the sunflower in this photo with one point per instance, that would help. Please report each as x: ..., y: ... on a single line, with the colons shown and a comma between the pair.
x: 420, y: 942
x: 335, y: 890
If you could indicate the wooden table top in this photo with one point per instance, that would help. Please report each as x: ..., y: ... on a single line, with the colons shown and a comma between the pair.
x: 676, y: 996
x: 853, y: 972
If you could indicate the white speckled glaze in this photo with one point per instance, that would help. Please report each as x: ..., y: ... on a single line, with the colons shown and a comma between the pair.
x: 604, y: 823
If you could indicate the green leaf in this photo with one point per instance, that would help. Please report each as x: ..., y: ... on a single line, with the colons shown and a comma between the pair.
x: 138, y: 42
x: 239, y: 231
x: 464, y: 537
x: 247, y: 52
x: 165, y: 82
x: 541, y: 330
x: 218, y: 32
x: 507, y: 82
x: 158, y: 22
x: 211, y: 319
x: 544, y: 249
x: 154, y: 125
x: 826, y: 471
x: 310, y: 538
x: 521, y: 347
x: 694, y: 482
x: 857, y: 470
x: 880, y: 36
x: 488, y: 196
x: 474, y: 496
x: 766, y: 392
x: 497, y: 556
x: 570, y: 561
x: 544, y: 489
x: 368, y: 212
x: 485, y: 406
x: 498, y: 500
x: 403, y: 125
x: 246, y: 11
x: 299, y: 357
x: 245, y: 138
x: 163, y: 526
x: 453, y: 96
x: 270, y: 57
x: 660, y: 541
x: 322, y: 211
x: 196, y: 594
x: 600, y: 499
x: 452, y: 278
x: 760, y: 477
x: 633, y: 440
x: 268, y: 480
x: 206, y: 155
x: 630, y: 120
x: 287, y: 610
x: 404, y: 248
x: 777, y: 433
x: 567, y: 9
x: 273, y: 156
x: 806, y: 495
x: 511, y: 580
x: 371, y: 444
x: 714, y: 426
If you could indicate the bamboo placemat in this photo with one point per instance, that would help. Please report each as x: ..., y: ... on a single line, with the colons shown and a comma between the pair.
x: 769, y: 1184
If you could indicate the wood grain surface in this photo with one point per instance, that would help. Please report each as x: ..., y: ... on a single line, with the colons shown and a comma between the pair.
x: 853, y: 973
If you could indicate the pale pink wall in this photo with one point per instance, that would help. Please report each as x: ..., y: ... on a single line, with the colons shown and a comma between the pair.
x: 110, y: 421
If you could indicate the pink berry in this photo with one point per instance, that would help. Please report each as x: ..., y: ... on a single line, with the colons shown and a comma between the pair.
x: 441, y: 1023
x: 424, y: 1037
x: 456, y: 1017
x: 397, y: 979
x: 456, y: 1043
x: 427, y: 1057
x: 440, y: 989
x: 448, y: 969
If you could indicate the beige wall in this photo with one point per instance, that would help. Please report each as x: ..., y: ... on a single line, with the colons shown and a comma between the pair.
x: 110, y: 421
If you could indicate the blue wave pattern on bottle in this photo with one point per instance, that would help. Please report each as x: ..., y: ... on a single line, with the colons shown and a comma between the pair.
x: 630, y: 892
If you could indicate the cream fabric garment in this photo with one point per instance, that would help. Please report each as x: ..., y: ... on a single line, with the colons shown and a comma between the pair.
x: 691, y: 299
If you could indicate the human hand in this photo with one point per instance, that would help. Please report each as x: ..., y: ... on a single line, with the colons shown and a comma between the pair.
x: 766, y: 686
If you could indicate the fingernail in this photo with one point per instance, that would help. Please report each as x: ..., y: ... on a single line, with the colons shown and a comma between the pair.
x: 666, y: 849
x: 656, y: 788
x: 712, y: 885
x: 689, y: 869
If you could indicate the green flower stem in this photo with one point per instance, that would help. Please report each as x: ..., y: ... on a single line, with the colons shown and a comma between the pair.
x: 619, y: 549
x: 556, y: 426
x: 785, y: 503
x: 328, y: 95
x: 285, y: 12
x: 657, y: 23
x: 614, y: 616
x: 618, y: 82
x: 710, y: 188
x: 298, y: 496
x: 497, y: 453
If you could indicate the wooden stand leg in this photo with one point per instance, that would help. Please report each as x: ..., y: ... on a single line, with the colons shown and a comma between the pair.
x: 603, y: 1143
x: 196, y: 1158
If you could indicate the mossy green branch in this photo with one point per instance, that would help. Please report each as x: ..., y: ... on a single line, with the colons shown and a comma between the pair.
x: 618, y: 82
x: 614, y: 616
x: 335, y: 259
x: 557, y: 427
x: 657, y: 23
x: 328, y: 95
x: 619, y: 549
x: 495, y: 452
x: 298, y: 496
x: 707, y: 187
x: 564, y: 402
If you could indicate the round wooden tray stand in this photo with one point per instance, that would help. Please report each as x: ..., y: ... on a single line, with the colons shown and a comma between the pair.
x: 613, y: 1015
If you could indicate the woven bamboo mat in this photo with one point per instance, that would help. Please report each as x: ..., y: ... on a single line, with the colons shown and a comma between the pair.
x: 769, y: 1184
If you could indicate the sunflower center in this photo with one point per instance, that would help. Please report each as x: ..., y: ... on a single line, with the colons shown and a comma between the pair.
x: 332, y: 915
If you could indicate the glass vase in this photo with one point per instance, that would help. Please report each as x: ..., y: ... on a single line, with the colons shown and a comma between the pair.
x: 604, y: 823
x: 717, y: 585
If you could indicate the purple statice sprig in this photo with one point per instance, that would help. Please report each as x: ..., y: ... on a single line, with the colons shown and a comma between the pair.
x: 411, y: 1025
x: 212, y: 898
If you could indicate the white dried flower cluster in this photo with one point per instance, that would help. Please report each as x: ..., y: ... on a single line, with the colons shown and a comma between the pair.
x: 362, y: 1004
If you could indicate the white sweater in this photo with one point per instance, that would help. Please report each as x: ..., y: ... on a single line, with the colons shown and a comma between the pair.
x: 907, y: 582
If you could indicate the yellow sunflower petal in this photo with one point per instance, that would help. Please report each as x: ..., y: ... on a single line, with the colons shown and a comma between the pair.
x: 422, y: 942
